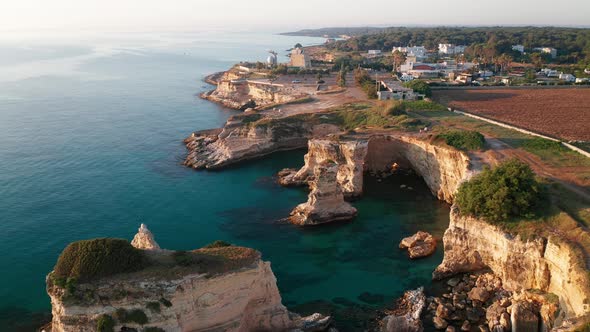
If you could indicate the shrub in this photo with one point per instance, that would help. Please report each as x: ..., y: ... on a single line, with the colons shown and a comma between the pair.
x: 541, y: 144
x: 153, y: 307
x: 419, y: 87
x: 423, y: 105
x: 105, y: 323
x: 398, y: 108
x: 217, y: 244
x: 131, y: 316
x: 508, y: 191
x: 183, y: 258
x: 153, y: 329
x: 165, y: 302
x: 88, y: 259
x: 464, y: 140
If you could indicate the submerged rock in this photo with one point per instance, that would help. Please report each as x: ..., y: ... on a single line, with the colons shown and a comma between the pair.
x: 144, y: 239
x: 421, y: 244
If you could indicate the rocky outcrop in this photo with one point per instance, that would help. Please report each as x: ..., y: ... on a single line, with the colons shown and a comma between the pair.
x: 547, y: 264
x: 405, y: 317
x: 144, y: 239
x: 349, y: 155
x: 419, y: 245
x: 326, y: 200
x: 247, y: 137
x: 442, y: 168
x: 241, y: 297
x: 238, y: 93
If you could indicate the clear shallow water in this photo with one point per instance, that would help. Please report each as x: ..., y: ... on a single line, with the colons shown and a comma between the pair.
x: 91, y: 145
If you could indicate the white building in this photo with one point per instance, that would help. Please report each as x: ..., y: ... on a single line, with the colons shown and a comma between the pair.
x: 393, y: 90
x: 519, y: 48
x: 417, y: 51
x: 450, y: 49
x: 547, y: 50
x: 567, y: 77
x: 582, y: 80
x: 549, y: 72
x: 587, y: 70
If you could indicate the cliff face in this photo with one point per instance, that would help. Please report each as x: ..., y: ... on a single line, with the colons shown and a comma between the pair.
x: 241, y: 297
x: 236, y: 93
x: 240, y: 140
x: 442, y: 168
x: 245, y: 300
x: 549, y: 265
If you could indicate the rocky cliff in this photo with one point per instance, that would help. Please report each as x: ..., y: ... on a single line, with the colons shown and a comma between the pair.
x: 236, y: 292
x: 241, y: 94
x: 442, y: 168
x: 546, y: 264
x: 249, y: 136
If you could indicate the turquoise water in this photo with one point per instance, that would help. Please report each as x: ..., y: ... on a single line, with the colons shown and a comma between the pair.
x: 91, y: 145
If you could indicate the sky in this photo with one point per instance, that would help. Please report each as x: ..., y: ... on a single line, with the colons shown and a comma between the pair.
x: 281, y: 15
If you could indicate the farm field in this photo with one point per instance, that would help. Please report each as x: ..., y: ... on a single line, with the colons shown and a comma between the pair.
x: 560, y: 113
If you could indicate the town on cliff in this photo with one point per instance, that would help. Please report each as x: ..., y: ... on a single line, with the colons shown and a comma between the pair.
x: 515, y: 250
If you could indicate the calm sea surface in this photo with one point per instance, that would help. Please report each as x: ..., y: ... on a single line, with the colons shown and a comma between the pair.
x: 91, y: 146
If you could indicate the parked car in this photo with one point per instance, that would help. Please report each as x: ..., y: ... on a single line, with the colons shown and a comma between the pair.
x: 321, y: 82
x: 296, y: 81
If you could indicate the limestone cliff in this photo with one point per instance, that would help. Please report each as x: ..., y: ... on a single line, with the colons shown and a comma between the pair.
x: 240, y: 93
x: 550, y: 265
x: 227, y: 289
x: 442, y: 168
x: 246, y: 137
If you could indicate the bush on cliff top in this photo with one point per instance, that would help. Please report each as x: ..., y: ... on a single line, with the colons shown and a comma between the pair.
x: 105, y: 323
x: 464, y: 140
x: 90, y: 259
x: 506, y: 192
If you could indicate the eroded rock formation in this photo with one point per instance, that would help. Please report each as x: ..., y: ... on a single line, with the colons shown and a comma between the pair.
x: 236, y: 295
x: 419, y: 245
x: 326, y: 200
x: 144, y: 239
x: 242, y: 139
x: 550, y: 265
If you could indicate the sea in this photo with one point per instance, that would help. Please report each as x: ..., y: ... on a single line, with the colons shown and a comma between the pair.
x: 91, y: 131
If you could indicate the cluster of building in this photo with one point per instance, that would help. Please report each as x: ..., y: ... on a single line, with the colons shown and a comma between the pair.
x: 551, y: 73
x: 546, y: 50
x: 394, y: 90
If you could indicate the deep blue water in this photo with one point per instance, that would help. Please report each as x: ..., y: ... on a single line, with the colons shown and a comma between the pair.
x: 91, y: 145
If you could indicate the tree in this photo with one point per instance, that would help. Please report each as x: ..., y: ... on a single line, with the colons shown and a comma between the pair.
x: 398, y: 59
x: 342, y: 76
x: 501, y: 194
x: 419, y: 87
x: 505, y: 60
x: 298, y: 45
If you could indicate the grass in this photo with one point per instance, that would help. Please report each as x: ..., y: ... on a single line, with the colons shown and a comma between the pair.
x: 464, y: 140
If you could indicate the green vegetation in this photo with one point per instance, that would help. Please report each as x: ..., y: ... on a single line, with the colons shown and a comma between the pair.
x: 217, y: 244
x: 165, y: 302
x: 153, y: 307
x: 364, y: 80
x: 153, y: 329
x: 423, y: 105
x: 90, y: 259
x: 131, y: 316
x: 507, y: 192
x: 538, y: 145
x: 485, y: 43
x: 419, y: 87
x: 105, y: 323
x: 464, y: 140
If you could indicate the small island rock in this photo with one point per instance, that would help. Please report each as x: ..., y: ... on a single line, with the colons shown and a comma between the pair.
x: 421, y: 244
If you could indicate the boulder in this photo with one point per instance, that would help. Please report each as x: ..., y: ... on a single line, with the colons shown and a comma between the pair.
x: 406, y: 316
x: 439, y: 323
x: 479, y: 294
x: 312, y: 323
x: 421, y: 244
x: 524, y: 318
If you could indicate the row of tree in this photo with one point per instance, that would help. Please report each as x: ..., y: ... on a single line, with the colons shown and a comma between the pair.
x: 573, y: 44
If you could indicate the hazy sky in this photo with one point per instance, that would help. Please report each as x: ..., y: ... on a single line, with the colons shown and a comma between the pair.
x: 282, y: 15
